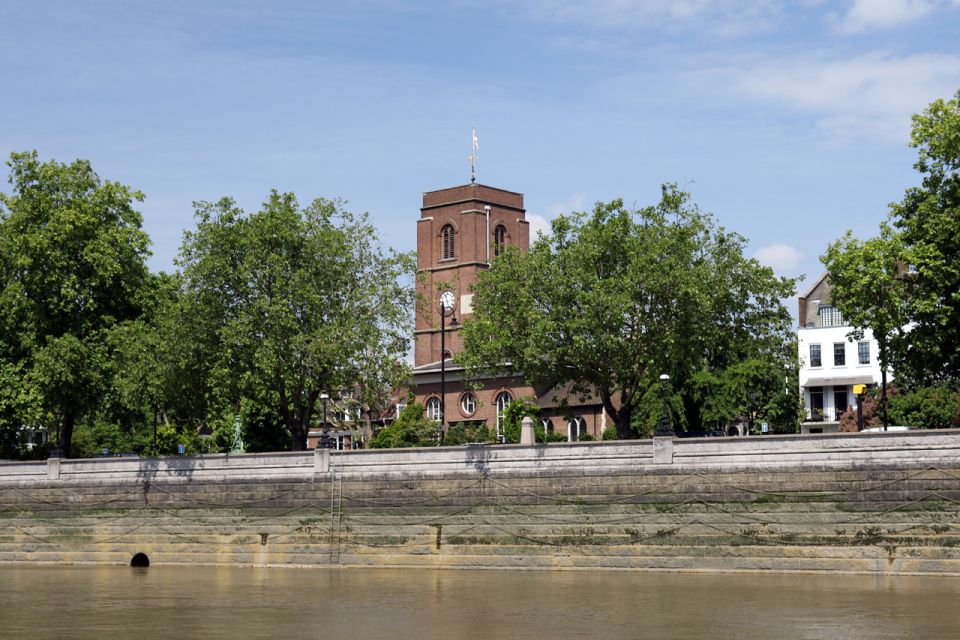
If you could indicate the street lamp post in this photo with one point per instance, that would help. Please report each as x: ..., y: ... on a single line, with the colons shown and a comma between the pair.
x: 665, y: 427
x: 446, y: 306
x: 326, y: 442
x: 754, y: 396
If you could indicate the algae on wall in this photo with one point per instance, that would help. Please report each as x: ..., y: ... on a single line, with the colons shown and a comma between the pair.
x: 889, y: 520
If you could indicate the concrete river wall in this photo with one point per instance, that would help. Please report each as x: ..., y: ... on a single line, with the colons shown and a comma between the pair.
x: 868, y: 503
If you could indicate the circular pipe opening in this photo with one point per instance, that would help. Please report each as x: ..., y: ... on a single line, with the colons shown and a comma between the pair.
x: 140, y: 560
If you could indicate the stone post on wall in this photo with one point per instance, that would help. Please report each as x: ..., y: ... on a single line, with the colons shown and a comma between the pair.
x: 321, y: 461
x: 53, y: 468
x: 527, y: 433
x: 662, y: 450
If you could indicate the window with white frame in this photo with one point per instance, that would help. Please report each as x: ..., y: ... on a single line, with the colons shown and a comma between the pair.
x: 576, y: 427
x: 433, y: 409
x: 347, y: 414
x: 547, y: 425
x: 839, y: 354
x: 830, y: 316
x: 815, y: 407
x: 815, y: 356
x: 840, y: 403
x: 468, y: 404
x: 863, y: 351
x: 503, y: 399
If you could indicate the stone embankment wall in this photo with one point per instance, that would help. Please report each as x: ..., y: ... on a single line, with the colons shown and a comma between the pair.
x: 872, y: 503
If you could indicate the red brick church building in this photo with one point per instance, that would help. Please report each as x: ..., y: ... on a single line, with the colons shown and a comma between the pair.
x: 460, y: 231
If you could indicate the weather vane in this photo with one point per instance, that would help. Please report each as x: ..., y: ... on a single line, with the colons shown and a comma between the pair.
x: 474, y: 145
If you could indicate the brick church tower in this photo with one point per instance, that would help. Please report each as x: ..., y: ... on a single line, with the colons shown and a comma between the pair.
x: 460, y: 230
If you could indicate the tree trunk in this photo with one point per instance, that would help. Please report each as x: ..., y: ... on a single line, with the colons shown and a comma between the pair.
x: 883, y: 398
x: 66, y: 434
x: 299, y: 434
x: 624, y: 428
x: 621, y: 417
x: 882, y: 343
x: 294, y: 426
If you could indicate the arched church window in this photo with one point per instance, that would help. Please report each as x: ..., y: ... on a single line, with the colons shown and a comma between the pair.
x: 503, y: 399
x: 448, y: 242
x: 499, y: 239
x: 575, y: 428
x: 433, y: 409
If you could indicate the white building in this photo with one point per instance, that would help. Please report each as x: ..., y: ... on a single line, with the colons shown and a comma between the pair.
x: 830, y: 362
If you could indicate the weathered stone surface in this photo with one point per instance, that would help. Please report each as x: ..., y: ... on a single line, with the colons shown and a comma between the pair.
x: 876, y: 504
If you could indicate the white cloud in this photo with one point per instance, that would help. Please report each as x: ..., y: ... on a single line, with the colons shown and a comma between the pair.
x: 782, y: 257
x: 540, y: 224
x: 864, y: 15
x: 870, y: 95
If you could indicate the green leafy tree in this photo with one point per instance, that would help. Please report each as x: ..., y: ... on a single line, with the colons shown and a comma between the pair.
x: 611, y: 300
x: 928, y: 219
x: 162, y: 364
x: 293, y: 302
x: 20, y: 408
x: 463, y: 433
x: 868, y: 287
x: 512, y: 417
x: 936, y: 407
x: 927, y: 407
x: 72, y: 265
x: 758, y: 389
x: 410, y: 429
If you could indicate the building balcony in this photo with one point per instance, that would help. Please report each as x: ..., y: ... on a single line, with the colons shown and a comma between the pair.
x: 823, y: 415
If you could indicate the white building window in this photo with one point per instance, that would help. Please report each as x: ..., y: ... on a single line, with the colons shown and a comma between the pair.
x: 840, y: 403
x: 839, y: 354
x: 433, y: 409
x: 346, y: 415
x: 863, y: 352
x: 815, y: 356
x: 815, y: 408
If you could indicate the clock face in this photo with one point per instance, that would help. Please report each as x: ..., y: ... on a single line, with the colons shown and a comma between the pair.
x: 447, y: 300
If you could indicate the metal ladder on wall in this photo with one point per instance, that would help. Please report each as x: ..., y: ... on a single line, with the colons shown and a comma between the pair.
x: 336, y: 508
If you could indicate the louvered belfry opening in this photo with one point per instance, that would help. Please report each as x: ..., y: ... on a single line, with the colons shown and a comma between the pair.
x: 448, y: 238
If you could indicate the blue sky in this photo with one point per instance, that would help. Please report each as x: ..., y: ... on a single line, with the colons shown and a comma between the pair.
x: 788, y: 121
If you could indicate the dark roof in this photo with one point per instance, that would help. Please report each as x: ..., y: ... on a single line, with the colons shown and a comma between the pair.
x: 553, y: 396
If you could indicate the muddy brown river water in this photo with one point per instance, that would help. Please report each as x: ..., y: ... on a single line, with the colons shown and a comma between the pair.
x: 221, y: 602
